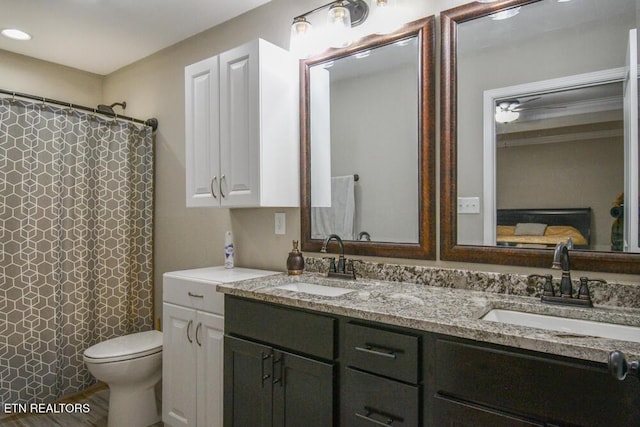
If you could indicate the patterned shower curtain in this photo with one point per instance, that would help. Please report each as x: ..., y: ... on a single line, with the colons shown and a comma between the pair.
x: 76, y: 201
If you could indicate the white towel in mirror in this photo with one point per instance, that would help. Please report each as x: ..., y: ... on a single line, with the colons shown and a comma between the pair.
x: 337, y: 219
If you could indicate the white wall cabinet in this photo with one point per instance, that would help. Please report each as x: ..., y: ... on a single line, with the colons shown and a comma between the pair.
x: 242, y: 137
x: 192, y: 354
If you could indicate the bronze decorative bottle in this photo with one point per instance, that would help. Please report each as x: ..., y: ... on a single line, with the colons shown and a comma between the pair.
x: 295, y: 261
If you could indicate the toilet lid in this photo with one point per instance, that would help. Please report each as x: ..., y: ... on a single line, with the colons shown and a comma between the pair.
x: 127, y: 346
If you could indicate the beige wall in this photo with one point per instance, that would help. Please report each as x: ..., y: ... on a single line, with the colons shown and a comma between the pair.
x: 545, y: 176
x: 31, y: 76
x: 154, y: 87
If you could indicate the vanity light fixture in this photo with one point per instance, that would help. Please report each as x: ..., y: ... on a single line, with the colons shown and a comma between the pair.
x: 342, y: 16
x: 385, y: 16
x: 339, y: 25
x: 15, y: 34
x: 301, y: 37
x: 505, y: 14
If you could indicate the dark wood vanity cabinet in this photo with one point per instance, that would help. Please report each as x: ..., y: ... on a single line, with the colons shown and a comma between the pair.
x: 478, y: 384
x: 292, y: 367
x: 278, y: 366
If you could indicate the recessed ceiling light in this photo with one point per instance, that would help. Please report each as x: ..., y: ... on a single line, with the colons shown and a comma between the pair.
x: 15, y: 34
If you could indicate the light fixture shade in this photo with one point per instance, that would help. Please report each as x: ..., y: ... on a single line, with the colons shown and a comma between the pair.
x: 339, y: 25
x: 385, y: 16
x: 301, y: 41
x: 505, y: 115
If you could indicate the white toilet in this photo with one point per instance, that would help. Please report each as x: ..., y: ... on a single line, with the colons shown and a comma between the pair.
x: 131, y: 366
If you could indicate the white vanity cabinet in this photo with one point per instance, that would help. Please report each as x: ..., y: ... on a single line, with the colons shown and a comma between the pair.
x: 241, y: 119
x: 192, y: 354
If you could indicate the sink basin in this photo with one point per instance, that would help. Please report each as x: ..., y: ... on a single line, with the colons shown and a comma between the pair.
x: 321, y: 290
x: 564, y: 325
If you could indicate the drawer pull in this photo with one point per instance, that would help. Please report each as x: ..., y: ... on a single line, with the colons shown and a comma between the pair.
x: 369, y: 349
x: 389, y: 419
x: 195, y: 295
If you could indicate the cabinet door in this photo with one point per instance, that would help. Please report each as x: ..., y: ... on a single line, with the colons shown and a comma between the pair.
x: 202, y: 139
x: 302, y: 391
x: 178, y: 366
x: 239, y: 126
x: 248, y: 383
x: 209, y: 339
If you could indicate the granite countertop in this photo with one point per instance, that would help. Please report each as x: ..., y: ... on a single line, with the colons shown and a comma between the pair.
x: 447, y: 311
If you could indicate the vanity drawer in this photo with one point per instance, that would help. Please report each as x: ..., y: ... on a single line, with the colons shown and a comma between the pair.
x: 392, y: 354
x: 193, y: 293
x: 371, y: 400
x: 301, y: 331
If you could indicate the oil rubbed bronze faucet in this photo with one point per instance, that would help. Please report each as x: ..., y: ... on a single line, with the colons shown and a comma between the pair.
x: 561, y: 261
x: 344, y: 269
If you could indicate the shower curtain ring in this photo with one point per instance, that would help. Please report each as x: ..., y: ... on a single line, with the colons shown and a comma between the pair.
x: 13, y: 98
x: 43, y: 106
x: 70, y: 109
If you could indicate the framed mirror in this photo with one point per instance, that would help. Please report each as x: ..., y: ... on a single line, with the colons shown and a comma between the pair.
x: 368, y: 145
x: 539, y: 133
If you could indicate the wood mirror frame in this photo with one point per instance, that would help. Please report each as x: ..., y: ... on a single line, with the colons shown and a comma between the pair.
x: 424, y: 29
x: 449, y: 248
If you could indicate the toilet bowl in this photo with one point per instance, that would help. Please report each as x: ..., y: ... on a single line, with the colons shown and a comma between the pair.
x: 131, y: 366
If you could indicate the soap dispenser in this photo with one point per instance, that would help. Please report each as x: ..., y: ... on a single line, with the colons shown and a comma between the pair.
x: 295, y: 261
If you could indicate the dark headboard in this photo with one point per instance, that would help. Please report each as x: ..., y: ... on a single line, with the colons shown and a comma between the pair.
x: 580, y: 218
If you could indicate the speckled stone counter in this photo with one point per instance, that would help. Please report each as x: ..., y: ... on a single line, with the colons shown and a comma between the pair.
x: 447, y: 311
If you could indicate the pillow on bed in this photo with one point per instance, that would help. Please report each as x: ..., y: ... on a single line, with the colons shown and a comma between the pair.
x: 530, y: 229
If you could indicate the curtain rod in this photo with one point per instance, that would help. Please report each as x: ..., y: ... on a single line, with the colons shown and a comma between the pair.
x: 152, y: 122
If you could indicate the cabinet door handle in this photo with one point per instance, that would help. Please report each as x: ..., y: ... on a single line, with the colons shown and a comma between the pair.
x: 188, y: 329
x: 389, y: 419
x: 222, y: 179
x: 262, y: 374
x: 369, y: 350
x: 198, y: 329
x: 280, y: 362
x: 212, y: 186
x: 195, y: 295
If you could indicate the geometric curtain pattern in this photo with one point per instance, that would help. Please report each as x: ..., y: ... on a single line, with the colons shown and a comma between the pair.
x: 76, y: 211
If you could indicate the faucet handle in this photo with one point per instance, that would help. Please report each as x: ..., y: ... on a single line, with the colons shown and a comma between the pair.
x: 583, y: 291
x: 547, y: 290
x: 332, y: 263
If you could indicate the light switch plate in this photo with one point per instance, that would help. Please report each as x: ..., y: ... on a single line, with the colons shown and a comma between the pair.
x: 281, y: 226
x: 468, y: 205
